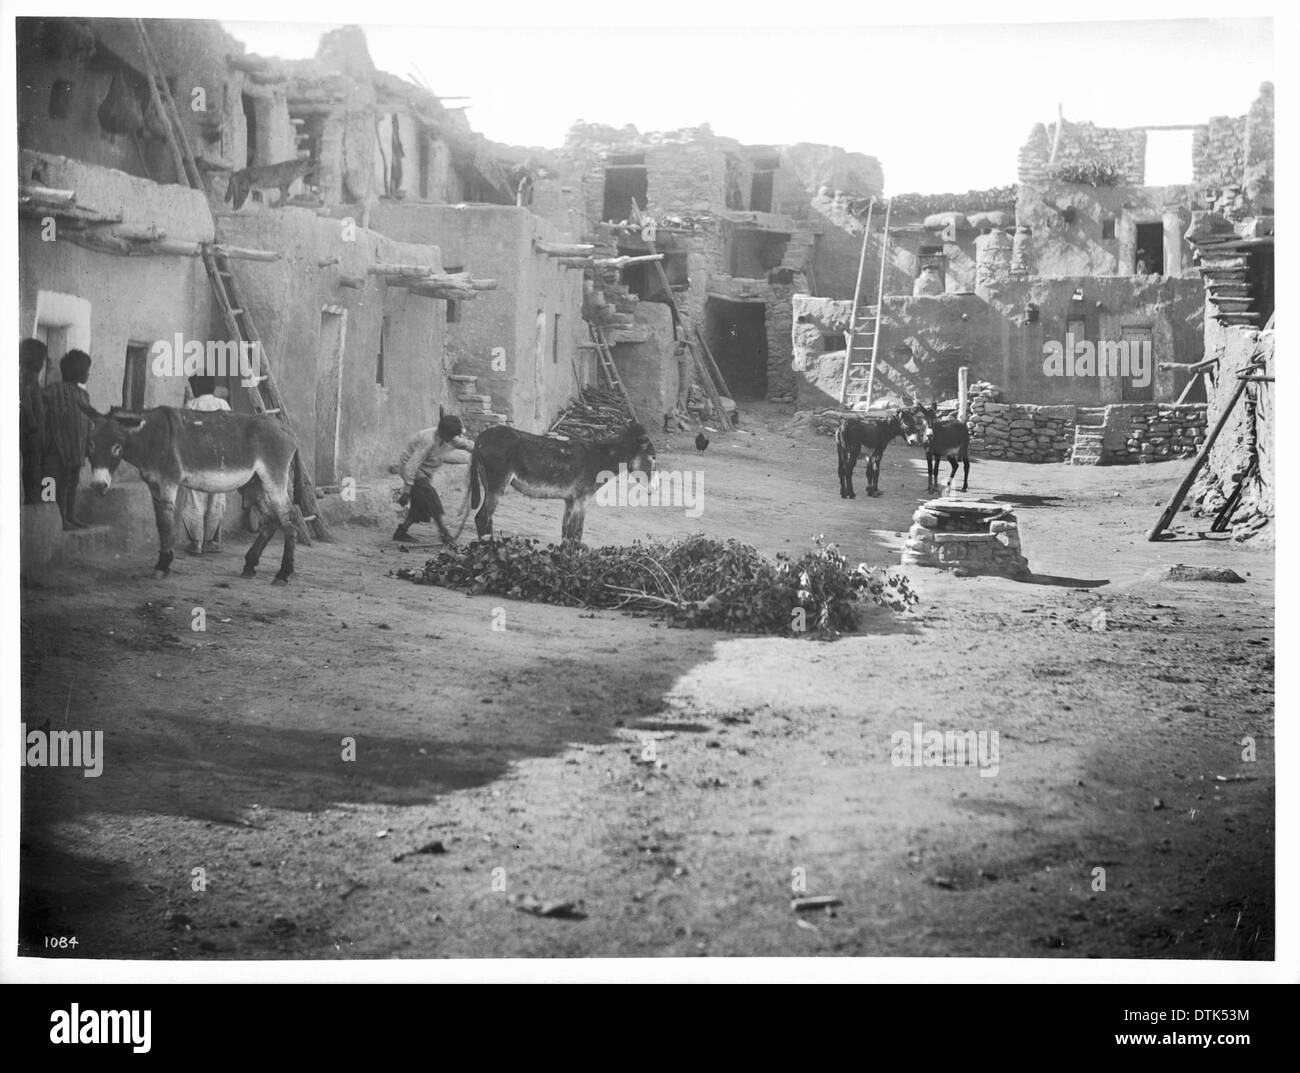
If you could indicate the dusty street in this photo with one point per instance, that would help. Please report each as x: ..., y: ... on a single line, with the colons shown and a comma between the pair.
x: 678, y: 786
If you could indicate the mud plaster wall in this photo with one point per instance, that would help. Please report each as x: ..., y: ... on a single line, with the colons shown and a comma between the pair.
x: 286, y: 299
x: 496, y: 242
x: 1249, y: 431
x: 649, y: 370
x: 136, y: 300
x: 1078, y: 249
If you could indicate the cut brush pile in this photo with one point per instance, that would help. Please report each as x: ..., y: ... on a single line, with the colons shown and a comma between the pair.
x: 696, y: 581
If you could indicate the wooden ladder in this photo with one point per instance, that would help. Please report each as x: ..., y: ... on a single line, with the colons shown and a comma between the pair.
x: 605, y: 359
x: 862, y: 340
x: 263, y: 395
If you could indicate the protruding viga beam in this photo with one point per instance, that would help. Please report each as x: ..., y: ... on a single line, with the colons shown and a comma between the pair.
x: 564, y: 249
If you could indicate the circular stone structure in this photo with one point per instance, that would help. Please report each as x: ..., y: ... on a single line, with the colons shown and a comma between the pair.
x: 967, y: 537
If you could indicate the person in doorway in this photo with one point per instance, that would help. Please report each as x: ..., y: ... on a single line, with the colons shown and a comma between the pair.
x: 1143, y: 266
x: 31, y: 434
x: 67, y: 432
x: 203, y: 512
x: 443, y: 445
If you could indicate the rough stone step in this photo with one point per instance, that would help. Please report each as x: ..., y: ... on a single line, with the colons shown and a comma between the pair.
x: 485, y: 399
x: 461, y: 378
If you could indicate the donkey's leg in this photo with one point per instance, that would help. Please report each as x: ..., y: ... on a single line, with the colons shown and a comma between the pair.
x: 952, y: 474
x: 164, y: 513
x: 965, y: 470
x: 283, y: 509
x: 483, y: 517
x: 873, y: 473
x: 841, y: 453
x: 575, y: 515
x: 854, y: 451
x: 265, y: 528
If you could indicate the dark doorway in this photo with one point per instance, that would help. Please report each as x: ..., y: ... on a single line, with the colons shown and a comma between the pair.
x: 625, y: 179
x: 1149, y: 247
x: 737, y: 334
x: 760, y: 187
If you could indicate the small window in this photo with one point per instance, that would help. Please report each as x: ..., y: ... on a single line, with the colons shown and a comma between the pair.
x: 134, y: 374
x: 832, y: 341
x: 1108, y: 228
x: 555, y: 339
x: 1076, y: 328
x: 379, y: 359
x: 453, y: 312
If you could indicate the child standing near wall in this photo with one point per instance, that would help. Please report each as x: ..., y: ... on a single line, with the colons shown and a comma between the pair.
x: 67, y: 432
x: 203, y: 512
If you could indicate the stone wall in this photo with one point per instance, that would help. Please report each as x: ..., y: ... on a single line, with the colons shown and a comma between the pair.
x: 1218, y: 150
x: 1018, y: 432
x: 1082, y: 143
x: 1131, y: 432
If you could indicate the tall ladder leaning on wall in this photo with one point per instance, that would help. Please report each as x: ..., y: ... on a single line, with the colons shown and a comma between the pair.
x: 261, y: 389
x: 605, y: 360
x: 863, y: 336
x: 710, y: 376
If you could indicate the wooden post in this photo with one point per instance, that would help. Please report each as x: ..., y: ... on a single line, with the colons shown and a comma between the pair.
x: 963, y: 388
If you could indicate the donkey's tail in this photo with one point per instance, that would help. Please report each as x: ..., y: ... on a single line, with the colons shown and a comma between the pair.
x: 473, y: 494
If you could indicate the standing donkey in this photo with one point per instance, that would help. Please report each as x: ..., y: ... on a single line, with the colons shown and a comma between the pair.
x: 873, y: 434
x: 948, y: 439
x: 210, y: 451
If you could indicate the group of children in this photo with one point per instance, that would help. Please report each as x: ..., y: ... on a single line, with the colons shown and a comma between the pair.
x: 54, y: 436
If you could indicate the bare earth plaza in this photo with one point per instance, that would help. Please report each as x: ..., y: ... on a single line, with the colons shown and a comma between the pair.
x: 654, y: 544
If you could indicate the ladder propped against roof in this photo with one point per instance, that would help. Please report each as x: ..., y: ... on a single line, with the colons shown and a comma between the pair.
x: 605, y: 359
x: 862, y: 340
x: 263, y: 395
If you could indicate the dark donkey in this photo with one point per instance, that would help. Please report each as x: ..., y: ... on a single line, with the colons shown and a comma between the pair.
x: 210, y: 451
x: 872, y: 434
x: 546, y: 468
x: 948, y: 439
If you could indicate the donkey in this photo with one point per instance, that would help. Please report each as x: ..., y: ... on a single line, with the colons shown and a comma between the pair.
x: 546, y: 468
x: 210, y: 451
x: 944, y: 439
x: 873, y: 433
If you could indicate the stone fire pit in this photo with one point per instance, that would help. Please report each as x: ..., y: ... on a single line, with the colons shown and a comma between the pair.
x: 967, y: 537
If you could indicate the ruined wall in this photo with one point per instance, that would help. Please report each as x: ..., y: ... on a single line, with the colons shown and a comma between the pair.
x: 286, y: 299
x: 85, y: 53
x: 1152, y: 432
x: 496, y: 242
x: 1083, y: 143
x: 1218, y: 150
x: 137, y: 300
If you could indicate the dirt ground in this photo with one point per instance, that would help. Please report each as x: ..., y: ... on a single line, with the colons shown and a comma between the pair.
x: 517, y: 759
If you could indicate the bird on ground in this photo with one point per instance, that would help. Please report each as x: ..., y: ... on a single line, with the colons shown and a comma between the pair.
x: 701, y: 442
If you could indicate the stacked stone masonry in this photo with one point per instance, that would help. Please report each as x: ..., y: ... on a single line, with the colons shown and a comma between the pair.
x: 965, y: 537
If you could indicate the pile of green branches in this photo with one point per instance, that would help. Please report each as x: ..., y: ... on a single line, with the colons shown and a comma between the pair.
x: 695, y: 581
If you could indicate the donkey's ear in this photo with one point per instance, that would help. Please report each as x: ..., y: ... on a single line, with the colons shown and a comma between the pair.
x: 441, y: 412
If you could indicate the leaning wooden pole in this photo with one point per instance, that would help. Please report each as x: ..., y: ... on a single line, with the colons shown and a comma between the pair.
x: 1181, y: 494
